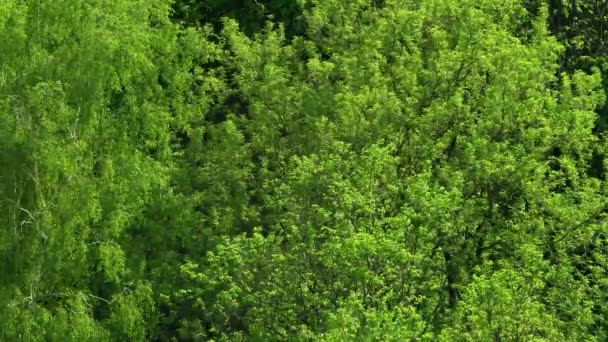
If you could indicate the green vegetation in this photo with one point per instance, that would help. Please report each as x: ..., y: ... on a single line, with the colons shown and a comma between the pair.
x: 312, y: 170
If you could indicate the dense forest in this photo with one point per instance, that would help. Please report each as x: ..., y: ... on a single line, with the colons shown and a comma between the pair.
x: 303, y: 170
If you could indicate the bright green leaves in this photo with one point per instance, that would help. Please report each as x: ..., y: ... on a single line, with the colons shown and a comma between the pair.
x: 84, y: 126
x: 111, y: 261
x: 505, y: 305
x: 241, y: 284
x: 399, y: 156
x: 397, y: 170
x: 132, y: 313
x: 355, y: 321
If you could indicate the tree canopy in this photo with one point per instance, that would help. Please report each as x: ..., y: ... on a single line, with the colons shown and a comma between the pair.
x: 324, y: 170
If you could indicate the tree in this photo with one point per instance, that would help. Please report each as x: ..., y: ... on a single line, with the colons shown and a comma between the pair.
x: 375, y: 170
x: 403, y: 154
x: 85, y: 142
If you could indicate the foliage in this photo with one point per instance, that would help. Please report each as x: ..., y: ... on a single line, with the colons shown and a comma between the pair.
x: 343, y: 170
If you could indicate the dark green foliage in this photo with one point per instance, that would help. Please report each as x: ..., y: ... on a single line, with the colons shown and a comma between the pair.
x: 251, y: 14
